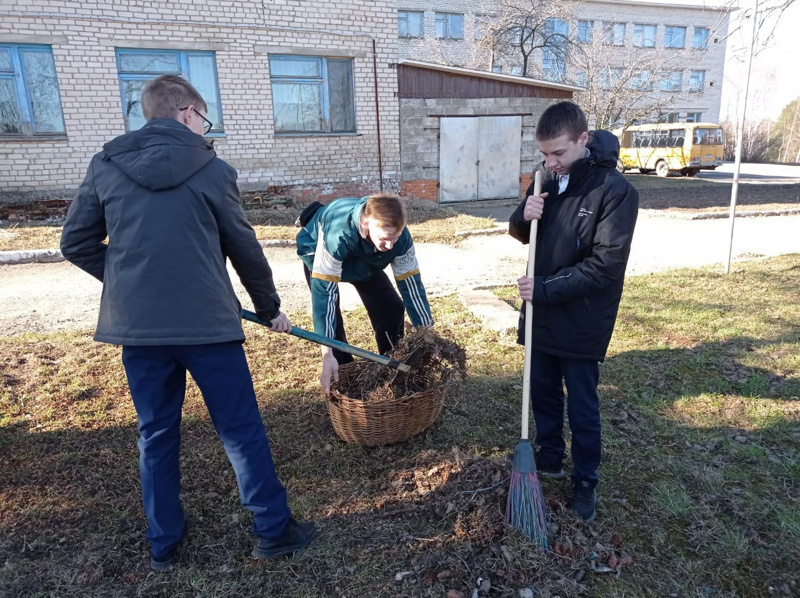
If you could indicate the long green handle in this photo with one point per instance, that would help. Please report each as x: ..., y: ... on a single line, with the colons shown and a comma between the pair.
x: 332, y: 343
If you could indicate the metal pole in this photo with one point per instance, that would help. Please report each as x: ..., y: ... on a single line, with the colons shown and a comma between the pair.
x: 740, y: 138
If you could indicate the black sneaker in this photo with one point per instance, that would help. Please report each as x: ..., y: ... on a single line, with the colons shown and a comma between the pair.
x: 297, y: 536
x: 584, y: 497
x: 171, y: 558
x: 549, y: 468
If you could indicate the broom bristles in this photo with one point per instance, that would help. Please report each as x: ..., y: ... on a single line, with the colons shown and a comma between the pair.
x: 526, y: 509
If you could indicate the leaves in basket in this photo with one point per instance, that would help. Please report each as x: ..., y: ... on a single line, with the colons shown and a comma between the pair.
x: 443, y: 359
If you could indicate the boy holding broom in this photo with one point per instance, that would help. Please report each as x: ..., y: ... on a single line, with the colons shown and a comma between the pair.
x: 587, y: 213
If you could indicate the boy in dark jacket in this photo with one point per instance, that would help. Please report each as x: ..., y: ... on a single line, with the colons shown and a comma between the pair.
x: 587, y: 213
x: 171, y: 211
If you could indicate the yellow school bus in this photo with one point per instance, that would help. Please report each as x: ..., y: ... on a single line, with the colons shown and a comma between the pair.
x: 670, y: 148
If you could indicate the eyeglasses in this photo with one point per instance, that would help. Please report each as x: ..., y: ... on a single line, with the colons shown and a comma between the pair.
x: 207, y: 124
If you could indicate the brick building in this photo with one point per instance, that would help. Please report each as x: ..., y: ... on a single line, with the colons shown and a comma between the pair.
x: 302, y: 95
x: 448, y: 31
x: 291, y: 87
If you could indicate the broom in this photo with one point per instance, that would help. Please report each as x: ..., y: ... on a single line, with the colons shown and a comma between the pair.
x: 526, y: 509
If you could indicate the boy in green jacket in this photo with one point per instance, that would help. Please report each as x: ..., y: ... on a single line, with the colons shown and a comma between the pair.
x: 353, y: 240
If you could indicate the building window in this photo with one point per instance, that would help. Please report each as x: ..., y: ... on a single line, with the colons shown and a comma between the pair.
x: 312, y: 94
x: 553, y: 65
x: 614, y: 34
x: 30, y: 103
x: 610, y: 78
x: 497, y: 68
x: 557, y: 31
x: 449, y: 25
x: 700, y: 38
x: 643, y: 81
x: 137, y: 67
x: 585, y: 32
x: 694, y: 117
x: 674, y: 37
x: 669, y: 117
x: 672, y: 81
x: 409, y: 23
x: 697, y: 81
x: 644, y: 36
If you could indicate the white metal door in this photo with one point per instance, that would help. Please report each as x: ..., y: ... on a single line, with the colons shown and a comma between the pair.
x: 499, y: 145
x: 479, y: 158
x: 458, y: 159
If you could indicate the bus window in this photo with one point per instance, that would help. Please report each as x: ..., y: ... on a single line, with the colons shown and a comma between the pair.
x: 708, y: 136
x: 676, y: 137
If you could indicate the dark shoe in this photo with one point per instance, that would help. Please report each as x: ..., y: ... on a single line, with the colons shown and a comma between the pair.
x: 545, y: 468
x: 171, y: 558
x: 297, y: 536
x: 584, y: 497
x: 548, y: 468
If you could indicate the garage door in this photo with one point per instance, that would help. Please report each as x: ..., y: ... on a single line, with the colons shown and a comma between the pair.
x: 479, y: 158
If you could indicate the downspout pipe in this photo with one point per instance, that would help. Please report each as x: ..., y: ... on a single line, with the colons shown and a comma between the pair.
x: 377, y: 113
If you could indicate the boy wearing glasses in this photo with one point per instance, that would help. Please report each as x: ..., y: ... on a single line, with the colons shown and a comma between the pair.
x: 171, y: 211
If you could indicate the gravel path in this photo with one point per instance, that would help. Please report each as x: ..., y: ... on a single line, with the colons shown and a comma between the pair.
x: 52, y: 297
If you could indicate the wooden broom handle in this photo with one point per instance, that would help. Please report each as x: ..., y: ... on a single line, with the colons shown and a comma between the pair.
x: 526, y: 377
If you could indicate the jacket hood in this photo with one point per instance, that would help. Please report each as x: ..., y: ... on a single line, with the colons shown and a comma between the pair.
x: 161, y: 155
x: 603, y: 148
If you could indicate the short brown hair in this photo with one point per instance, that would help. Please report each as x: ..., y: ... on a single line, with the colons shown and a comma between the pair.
x: 387, y: 208
x: 165, y: 95
x: 564, y: 118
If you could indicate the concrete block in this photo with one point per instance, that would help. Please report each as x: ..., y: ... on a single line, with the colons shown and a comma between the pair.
x: 493, y: 312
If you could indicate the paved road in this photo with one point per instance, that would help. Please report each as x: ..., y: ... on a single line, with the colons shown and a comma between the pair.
x: 762, y: 174
x: 51, y: 297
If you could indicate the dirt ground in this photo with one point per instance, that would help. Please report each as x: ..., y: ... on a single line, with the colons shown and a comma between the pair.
x: 52, y: 297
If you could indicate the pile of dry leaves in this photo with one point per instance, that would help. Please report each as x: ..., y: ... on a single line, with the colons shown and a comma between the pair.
x: 436, y: 359
x: 463, y: 499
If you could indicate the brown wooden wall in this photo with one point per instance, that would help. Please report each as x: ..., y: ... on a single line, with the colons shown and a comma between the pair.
x: 415, y: 82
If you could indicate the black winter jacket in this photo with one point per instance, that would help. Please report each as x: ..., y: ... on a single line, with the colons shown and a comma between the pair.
x: 171, y: 211
x: 582, y: 246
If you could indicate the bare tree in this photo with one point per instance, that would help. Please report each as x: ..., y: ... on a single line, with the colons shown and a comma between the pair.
x: 755, y: 140
x: 520, y: 30
x: 769, y: 13
x: 624, y: 84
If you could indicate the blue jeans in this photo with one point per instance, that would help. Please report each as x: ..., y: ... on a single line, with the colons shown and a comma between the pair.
x: 549, y: 374
x: 157, y: 380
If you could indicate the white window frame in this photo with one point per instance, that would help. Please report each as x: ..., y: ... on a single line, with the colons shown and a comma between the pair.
x: 640, y: 40
x: 697, y: 81
x: 585, y: 31
x: 703, y: 44
x: 670, y: 37
x: 672, y: 81
x: 446, y: 19
x: 403, y: 15
x: 610, y: 30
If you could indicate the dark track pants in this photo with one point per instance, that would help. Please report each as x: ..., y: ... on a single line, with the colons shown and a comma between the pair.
x: 157, y: 380
x: 549, y: 374
x: 384, y: 307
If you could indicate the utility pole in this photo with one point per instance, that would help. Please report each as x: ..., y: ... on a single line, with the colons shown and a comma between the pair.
x: 740, y: 137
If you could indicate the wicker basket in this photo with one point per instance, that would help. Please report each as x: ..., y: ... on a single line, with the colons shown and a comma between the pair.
x: 374, y: 423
